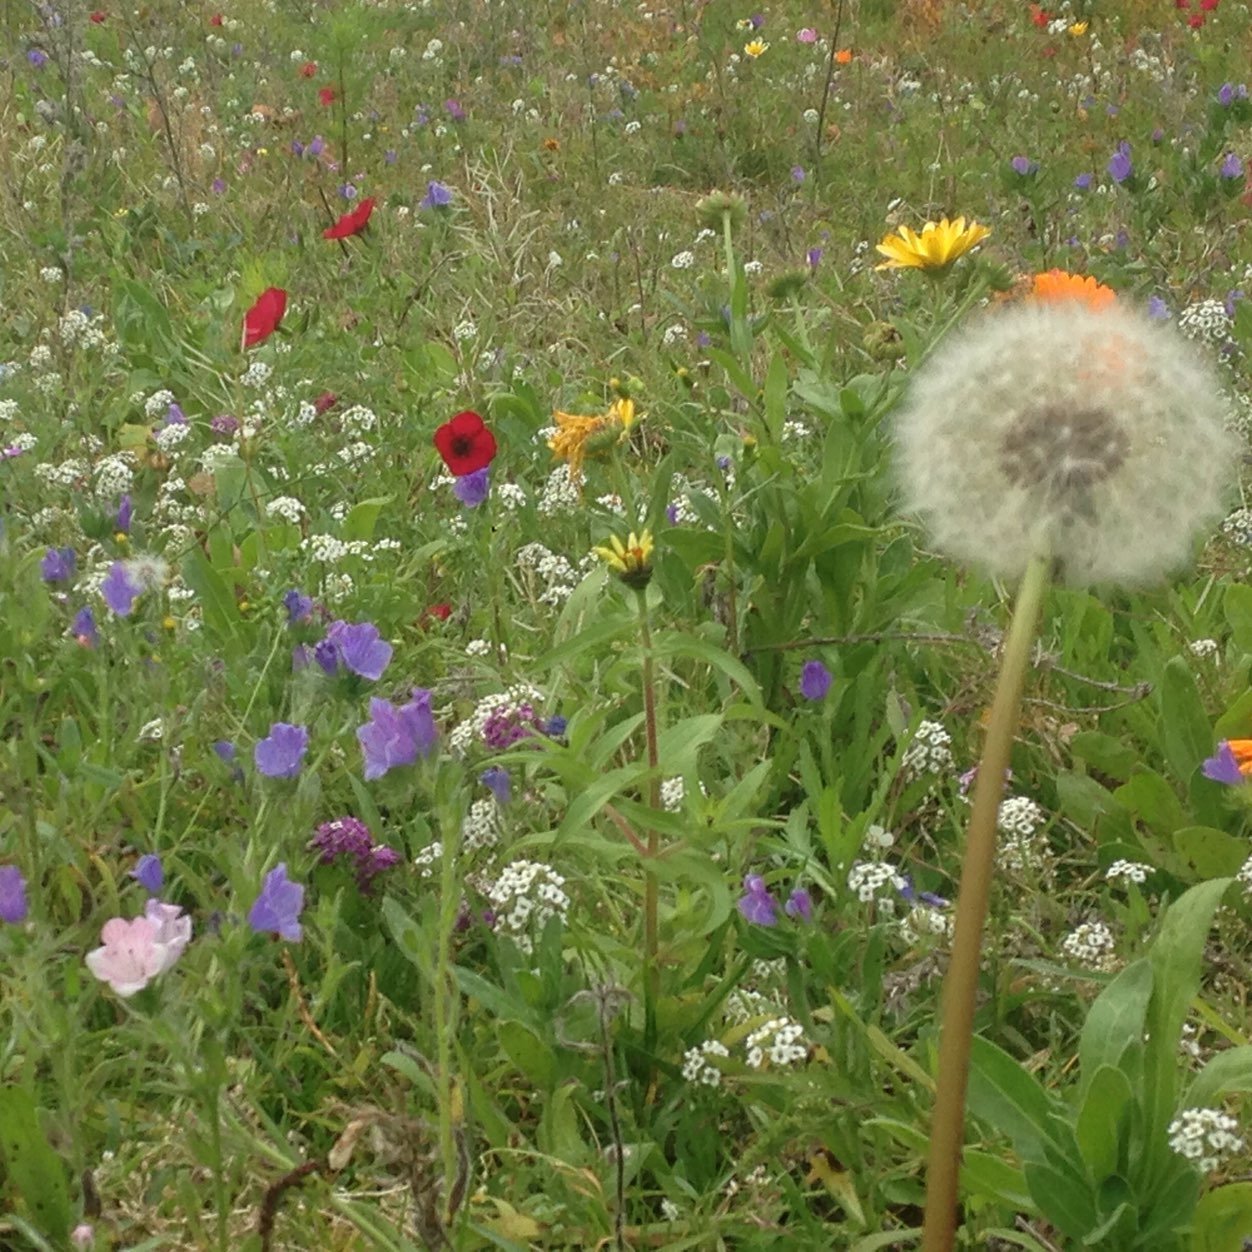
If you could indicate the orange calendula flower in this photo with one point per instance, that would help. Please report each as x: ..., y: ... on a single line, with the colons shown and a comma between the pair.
x: 843, y: 56
x: 576, y: 436
x: 1054, y: 285
x: 935, y: 248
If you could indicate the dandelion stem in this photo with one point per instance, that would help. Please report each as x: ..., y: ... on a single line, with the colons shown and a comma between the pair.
x: 961, y: 984
x: 650, y: 927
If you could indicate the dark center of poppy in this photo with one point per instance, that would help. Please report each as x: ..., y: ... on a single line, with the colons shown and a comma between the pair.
x: 462, y: 445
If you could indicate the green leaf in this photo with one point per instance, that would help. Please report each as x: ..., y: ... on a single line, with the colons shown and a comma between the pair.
x: 1005, y: 1096
x: 1177, y: 959
x: 1227, y: 1071
x: 528, y: 1052
x: 217, y: 603
x: 407, y: 934
x: 1115, y: 1021
x: 1150, y: 798
x: 1211, y: 853
x: 677, y: 745
x: 34, y: 1169
x: 1111, y: 756
x: 1186, y: 734
x: 1237, y: 604
x: 1099, y: 1128
x: 362, y: 517
x: 1223, y: 1219
x: 1063, y: 1197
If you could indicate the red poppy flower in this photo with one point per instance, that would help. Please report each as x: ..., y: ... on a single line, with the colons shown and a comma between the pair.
x: 327, y: 95
x: 308, y: 69
x: 433, y: 612
x: 1038, y: 16
x: 97, y: 16
x: 325, y: 402
x: 1196, y: 22
x: 1208, y: 6
x: 262, y: 319
x: 465, y: 444
x: 351, y: 223
x: 215, y: 20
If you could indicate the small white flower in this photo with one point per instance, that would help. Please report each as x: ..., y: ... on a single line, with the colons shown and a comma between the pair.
x: 1205, y: 1137
x: 697, y: 1066
x: 779, y: 1042
x: 874, y: 880
x: 1090, y: 945
x: 673, y: 792
x: 1131, y: 871
x: 929, y: 751
x: 1205, y: 649
x: 683, y: 260
x: 478, y: 647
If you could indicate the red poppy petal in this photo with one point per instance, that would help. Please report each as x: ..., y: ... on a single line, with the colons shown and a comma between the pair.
x: 262, y: 319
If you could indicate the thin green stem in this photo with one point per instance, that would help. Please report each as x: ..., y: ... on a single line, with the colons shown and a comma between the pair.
x: 960, y: 987
x: 650, y: 889
x: 446, y: 1007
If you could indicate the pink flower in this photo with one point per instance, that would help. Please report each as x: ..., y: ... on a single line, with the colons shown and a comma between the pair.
x: 806, y: 35
x: 135, y: 951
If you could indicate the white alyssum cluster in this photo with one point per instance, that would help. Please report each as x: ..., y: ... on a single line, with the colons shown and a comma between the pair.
x: 1129, y: 871
x: 427, y: 861
x: 1205, y: 321
x: 1090, y: 945
x: 1095, y: 438
x: 1244, y: 877
x: 113, y: 475
x: 526, y: 896
x: 558, y: 576
x: 1204, y: 649
x: 779, y: 1041
x: 673, y: 793
x: 924, y: 921
x: 929, y: 751
x: 560, y: 494
x: 499, y: 705
x: 287, y: 507
x: 169, y: 436
x: 874, y: 880
x: 698, y: 1066
x: 1204, y: 1136
x: 480, y: 827
x: 1019, y: 817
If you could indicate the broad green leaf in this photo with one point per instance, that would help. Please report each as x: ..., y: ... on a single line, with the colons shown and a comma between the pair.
x: 1210, y: 853
x: 362, y: 517
x: 1177, y: 958
x: 1105, y: 753
x: 1099, y: 1127
x: 33, y: 1168
x: 217, y: 601
x: 528, y: 1052
x: 1005, y: 1096
x: 1186, y: 733
x: 1115, y: 1020
x: 1223, y: 1219
x: 677, y: 745
x: 1062, y: 1197
x: 407, y: 934
x: 1150, y: 798
x: 1227, y: 1071
x: 1237, y: 604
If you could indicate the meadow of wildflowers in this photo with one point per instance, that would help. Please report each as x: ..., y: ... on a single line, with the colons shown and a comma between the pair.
x: 622, y: 623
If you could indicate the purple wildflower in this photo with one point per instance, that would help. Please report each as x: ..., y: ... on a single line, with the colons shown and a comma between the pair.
x: 555, y: 726
x: 473, y: 489
x: 437, y: 196
x: 217, y: 186
x: 756, y: 904
x: 357, y: 646
x: 1158, y: 310
x: 1083, y: 182
x: 454, y: 110
x: 149, y: 873
x: 37, y: 57
x: 316, y: 146
x: 815, y: 680
x: 119, y: 589
x: 507, y: 726
x: 83, y: 628
x: 125, y: 510
x: 397, y: 735
x: 1231, y: 166
x: 281, y: 753
x: 278, y: 906
x: 1024, y: 166
x: 496, y: 779
x: 350, y: 839
x: 1223, y: 767
x: 797, y: 174
x: 299, y: 607
x: 799, y: 905
x: 814, y: 256
x: 224, y: 424
x: 910, y: 894
x: 58, y: 565
x: 1120, y: 165
x: 13, y: 906
x: 326, y: 655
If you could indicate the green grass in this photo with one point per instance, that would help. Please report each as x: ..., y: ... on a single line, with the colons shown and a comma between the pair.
x: 453, y: 1074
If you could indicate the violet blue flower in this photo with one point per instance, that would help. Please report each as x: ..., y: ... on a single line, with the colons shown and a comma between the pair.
x: 37, y: 57
x: 281, y: 753
x: 1231, y: 166
x: 358, y: 647
x: 1158, y: 310
x: 1024, y: 166
x: 119, y: 589
x: 454, y: 110
x: 473, y: 489
x: 83, y: 628
x: 299, y: 607
x: 13, y: 906
x: 125, y: 510
x: 149, y: 873
x: 814, y: 256
x: 278, y: 906
x: 815, y: 680
x: 397, y: 735
x: 496, y: 779
x: 58, y: 565
x: 1120, y: 165
x: 910, y: 894
x: 1223, y: 767
x: 437, y: 196
x: 799, y: 905
x: 326, y: 655
x: 1083, y: 182
x: 797, y: 174
x: 555, y: 726
x: 756, y: 904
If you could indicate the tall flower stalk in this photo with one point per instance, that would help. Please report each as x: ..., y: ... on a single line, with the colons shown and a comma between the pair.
x: 960, y: 987
x: 651, y: 974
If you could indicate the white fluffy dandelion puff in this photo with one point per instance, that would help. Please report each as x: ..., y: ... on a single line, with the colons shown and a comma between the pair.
x: 1094, y: 438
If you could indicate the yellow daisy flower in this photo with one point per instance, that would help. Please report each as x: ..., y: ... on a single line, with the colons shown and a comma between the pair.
x: 938, y: 245
x: 630, y: 561
x: 576, y: 436
x: 755, y: 48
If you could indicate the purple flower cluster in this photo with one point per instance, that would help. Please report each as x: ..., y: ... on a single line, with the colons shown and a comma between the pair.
x: 507, y: 726
x: 397, y: 734
x: 354, y: 646
x: 349, y: 838
x: 758, y: 906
